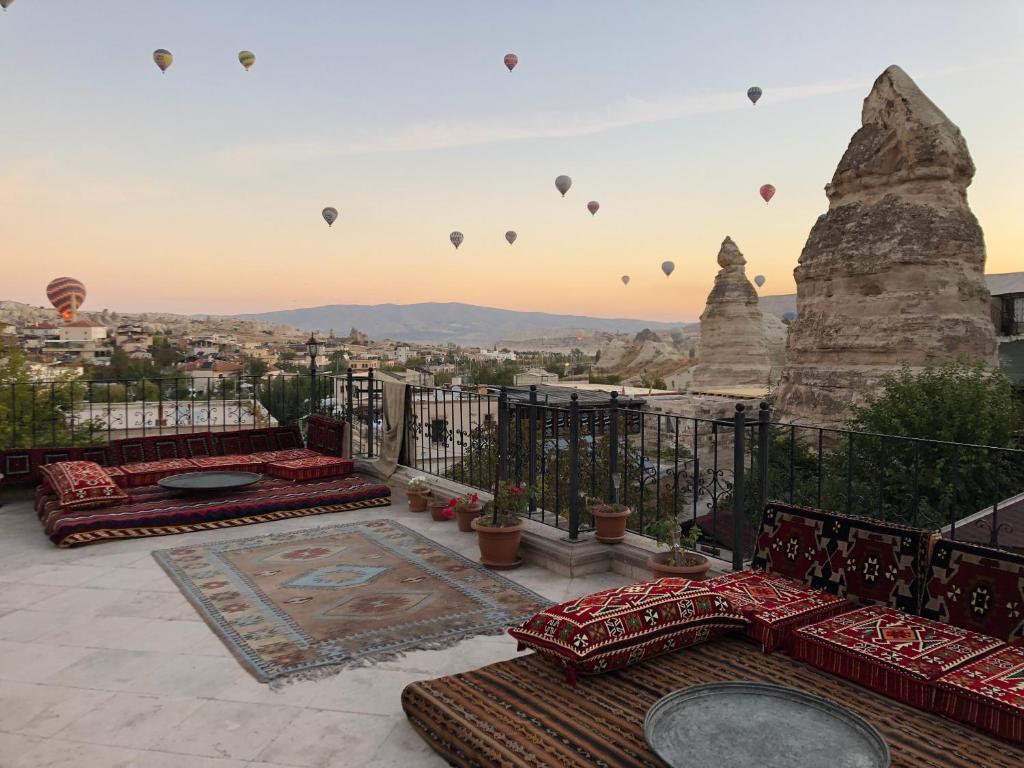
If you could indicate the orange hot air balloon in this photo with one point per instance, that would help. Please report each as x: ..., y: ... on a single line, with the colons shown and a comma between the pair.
x: 511, y: 60
x: 66, y: 294
x: 767, y: 192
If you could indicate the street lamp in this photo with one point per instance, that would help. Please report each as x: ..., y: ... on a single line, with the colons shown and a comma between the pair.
x: 313, y: 350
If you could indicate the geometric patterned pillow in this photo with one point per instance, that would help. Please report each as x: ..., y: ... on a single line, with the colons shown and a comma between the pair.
x: 988, y: 694
x: 618, y: 627
x: 82, y: 485
x: 196, y: 445
x: 976, y: 588
x: 286, y: 438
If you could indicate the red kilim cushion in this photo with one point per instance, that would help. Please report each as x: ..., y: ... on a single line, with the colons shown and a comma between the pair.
x: 618, y: 627
x: 978, y: 588
x: 237, y: 463
x: 196, y: 445
x: 310, y: 468
x: 290, y: 455
x: 82, y: 484
x: 775, y: 605
x: 149, y: 472
x: 888, y: 651
x: 988, y: 694
x: 166, y: 448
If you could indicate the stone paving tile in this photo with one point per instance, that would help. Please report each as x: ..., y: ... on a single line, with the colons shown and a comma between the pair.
x: 130, y: 720
x: 43, y: 710
x: 230, y: 729
x: 57, y: 753
x: 321, y: 739
x: 32, y: 662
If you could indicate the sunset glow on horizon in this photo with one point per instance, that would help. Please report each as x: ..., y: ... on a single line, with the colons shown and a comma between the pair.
x: 201, y: 190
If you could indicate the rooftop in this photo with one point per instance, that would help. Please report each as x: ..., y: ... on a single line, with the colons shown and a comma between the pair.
x: 104, y: 663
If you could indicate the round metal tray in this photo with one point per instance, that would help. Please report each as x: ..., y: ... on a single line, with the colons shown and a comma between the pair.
x: 208, y: 482
x: 741, y: 724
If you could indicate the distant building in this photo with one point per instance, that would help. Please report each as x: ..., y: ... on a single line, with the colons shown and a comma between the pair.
x: 202, y: 372
x: 82, y: 331
x: 1007, y: 303
x: 534, y: 376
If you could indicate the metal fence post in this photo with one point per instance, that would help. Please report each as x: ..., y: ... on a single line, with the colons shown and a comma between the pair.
x: 532, y: 450
x: 501, y: 471
x: 371, y: 421
x: 738, y: 500
x: 764, y: 417
x: 574, y: 467
x: 613, y: 448
x: 348, y: 400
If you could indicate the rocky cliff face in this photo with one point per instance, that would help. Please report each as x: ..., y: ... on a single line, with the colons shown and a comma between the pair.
x: 893, y: 274
x: 733, y: 351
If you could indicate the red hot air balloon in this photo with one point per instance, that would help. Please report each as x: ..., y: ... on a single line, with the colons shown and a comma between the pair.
x: 593, y: 206
x: 511, y: 60
x: 67, y: 294
x: 767, y: 192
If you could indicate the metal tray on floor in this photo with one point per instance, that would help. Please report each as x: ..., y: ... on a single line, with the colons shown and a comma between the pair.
x: 741, y: 724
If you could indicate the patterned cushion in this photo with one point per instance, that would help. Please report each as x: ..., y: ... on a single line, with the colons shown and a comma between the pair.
x: 149, y: 472
x: 260, y: 442
x: 82, y: 485
x: 231, y: 443
x: 988, y: 694
x: 286, y: 438
x: 120, y: 478
x: 890, y: 652
x: 866, y: 561
x: 977, y: 588
x: 622, y: 626
x: 194, y: 446
x: 130, y: 451
x: 775, y: 605
x: 290, y: 455
x: 237, y: 463
x: 311, y: 468
x: 327, y: 435
x: 166, y: 448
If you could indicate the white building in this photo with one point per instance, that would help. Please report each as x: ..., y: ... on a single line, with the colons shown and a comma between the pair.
x: 82, y: 331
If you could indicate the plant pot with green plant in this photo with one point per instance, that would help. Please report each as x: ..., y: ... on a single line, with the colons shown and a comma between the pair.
x: 466, y: 509
x: 680, y: 560
x: 418, y: 492
x: 609, y: 520
x: 499, y: 529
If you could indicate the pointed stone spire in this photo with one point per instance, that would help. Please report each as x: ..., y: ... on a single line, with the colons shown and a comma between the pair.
x: 894, y: 274
x: 732, y: 351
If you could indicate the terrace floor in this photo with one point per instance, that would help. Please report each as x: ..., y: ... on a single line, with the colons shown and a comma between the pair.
x: 104, y: 663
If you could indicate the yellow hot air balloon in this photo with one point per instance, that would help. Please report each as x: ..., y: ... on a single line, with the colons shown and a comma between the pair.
x: 163, y: 59
x: 246, y: 59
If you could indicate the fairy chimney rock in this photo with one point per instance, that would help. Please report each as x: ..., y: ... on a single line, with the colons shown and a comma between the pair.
x: 894, y: 273
x: 732, y: 351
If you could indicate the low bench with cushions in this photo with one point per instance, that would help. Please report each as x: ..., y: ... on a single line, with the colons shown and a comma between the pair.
x: 972, y: 608
x: 810, y: 565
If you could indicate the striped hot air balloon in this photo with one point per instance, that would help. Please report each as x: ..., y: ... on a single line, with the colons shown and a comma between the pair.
x: 246, y: 59
x: 163, y: 59
x: 67, y: 294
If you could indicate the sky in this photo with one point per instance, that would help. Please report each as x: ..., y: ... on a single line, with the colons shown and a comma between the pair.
x: 200, y: 190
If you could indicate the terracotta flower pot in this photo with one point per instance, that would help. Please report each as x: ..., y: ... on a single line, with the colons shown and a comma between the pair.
x: 466, y: 516
x: 438, y: 510
x: 499, y: 547
x: 417, y: 501
x: 696, y: 570
x: 610, y: 525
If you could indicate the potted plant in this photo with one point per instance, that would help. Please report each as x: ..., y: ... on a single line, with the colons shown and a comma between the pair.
x: 499, y: 528
x: 418, y: 492
x: 441, y: 510
x: 609, y: 520
x: 680, y: 560
x: 466, y: 508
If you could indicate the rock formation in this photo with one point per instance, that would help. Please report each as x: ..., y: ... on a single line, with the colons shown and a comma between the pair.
x: 894, y: 273
x: 732, y: 351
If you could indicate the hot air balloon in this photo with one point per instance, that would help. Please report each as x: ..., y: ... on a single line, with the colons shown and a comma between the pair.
x: 823, y: 216
x: 330, y: 215
x: 456, y: 238
x: 5, y: 3
x: 562, y: 184
x: 753, y: 93
x: 668, y: 267
x: 759, y: 280
x: 791, y: 315
x: 510, y: 236
x: 67, y: 294
x: 593, y: 207
x: 625, y: 279
x: 163, y: 59
x: 246, y: 59
x: 511, y: 60
x: 767, y: 192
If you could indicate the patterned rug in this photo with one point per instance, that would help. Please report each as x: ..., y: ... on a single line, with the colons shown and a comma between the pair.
x: 521, y: 713
x: 297, y: 604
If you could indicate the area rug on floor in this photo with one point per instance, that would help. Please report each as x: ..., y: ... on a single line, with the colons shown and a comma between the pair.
x: 521, y: 713
x: 304, y: 603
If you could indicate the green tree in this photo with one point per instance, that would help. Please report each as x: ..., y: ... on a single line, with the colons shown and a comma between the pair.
x: 254, y: 367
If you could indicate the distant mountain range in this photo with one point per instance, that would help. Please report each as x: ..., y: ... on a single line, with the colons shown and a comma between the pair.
x: 437, y: 322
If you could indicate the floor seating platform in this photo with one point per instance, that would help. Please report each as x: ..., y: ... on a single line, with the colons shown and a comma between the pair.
x: 521, y: 712
x: 153, y: 511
